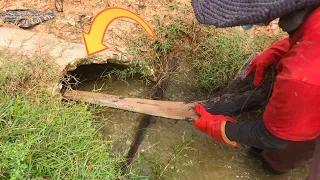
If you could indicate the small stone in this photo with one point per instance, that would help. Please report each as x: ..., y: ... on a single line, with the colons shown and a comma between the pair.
x: 59, y: 5
x: 84, y: 20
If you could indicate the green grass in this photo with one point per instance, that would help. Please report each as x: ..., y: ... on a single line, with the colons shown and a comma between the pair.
x: 43, y: 138
x: 214, y: 54
x: 135, y: 69
x: 218, y: 59
x: 159, y: 54
x: 169, y: 169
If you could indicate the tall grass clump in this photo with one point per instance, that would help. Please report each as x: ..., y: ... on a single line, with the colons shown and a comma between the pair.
x: 220, y: 55
x: 214, y: 54
x: 42, y: 137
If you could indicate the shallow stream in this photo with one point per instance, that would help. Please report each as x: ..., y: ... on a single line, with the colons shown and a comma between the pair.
x: 175, y: 149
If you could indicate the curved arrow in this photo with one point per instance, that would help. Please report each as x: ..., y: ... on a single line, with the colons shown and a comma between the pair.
x: 94, y: 38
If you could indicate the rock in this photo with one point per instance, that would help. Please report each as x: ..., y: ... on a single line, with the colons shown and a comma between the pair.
x: 80, y: 21
x: 70, y: 20
x: 59, y: 5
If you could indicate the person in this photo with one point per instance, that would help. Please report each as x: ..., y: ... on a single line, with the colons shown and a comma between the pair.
x: 287, y: 136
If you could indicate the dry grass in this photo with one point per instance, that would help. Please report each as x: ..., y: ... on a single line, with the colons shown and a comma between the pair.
x: 215, y: 55
x: 30, y: 75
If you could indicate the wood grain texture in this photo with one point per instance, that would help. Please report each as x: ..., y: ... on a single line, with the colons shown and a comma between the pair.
x: 166, y: 109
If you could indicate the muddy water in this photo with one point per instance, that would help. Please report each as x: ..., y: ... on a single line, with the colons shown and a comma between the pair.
x: 175, y: 149
x: 203, y: 158
x: 207, y: 160
x: 117, y: 125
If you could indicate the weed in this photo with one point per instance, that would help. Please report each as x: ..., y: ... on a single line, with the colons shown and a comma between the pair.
x: 218, y: 59
x: 42, y: 138
x: 169, y: 169
x: 172, y: 5
x: 23, y: 74
x: 162, y: 55
x: 136, y: 68
x: 215, y: 54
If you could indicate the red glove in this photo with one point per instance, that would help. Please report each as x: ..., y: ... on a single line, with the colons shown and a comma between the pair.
x: 271, y: 56
x: 214, y: 125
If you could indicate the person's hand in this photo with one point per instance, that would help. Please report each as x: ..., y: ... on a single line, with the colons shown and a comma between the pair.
x: 214, y: 125
x: 269, y: 57
x: 259, y: 66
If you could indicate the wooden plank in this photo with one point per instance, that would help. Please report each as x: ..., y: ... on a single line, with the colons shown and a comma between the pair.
x: 166, y: 109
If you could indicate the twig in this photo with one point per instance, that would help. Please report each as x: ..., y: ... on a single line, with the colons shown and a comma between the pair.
x: 165, y: 168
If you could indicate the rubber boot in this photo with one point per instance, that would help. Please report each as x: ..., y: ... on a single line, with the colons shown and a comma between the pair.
x: 256, y: 152
x: 295, y: 155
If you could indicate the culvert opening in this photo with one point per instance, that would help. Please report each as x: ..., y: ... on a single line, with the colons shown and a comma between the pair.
x: 95, y: 74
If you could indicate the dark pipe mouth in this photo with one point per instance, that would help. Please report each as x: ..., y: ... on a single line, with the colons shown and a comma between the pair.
x: 88, y: 73
x: 95, y: 71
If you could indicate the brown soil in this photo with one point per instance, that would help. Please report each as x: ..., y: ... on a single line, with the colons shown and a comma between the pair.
x: 77, y: 15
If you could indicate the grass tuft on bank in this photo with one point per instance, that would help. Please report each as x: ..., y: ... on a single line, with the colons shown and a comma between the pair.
x: 214, y: 54
x: 43, y: 138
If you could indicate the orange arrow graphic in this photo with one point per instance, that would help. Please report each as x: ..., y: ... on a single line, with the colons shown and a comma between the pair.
x: 94, y: 38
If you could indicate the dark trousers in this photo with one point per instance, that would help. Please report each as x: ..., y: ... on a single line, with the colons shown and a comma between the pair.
x: 314, y: 173
x: 296, y: 154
